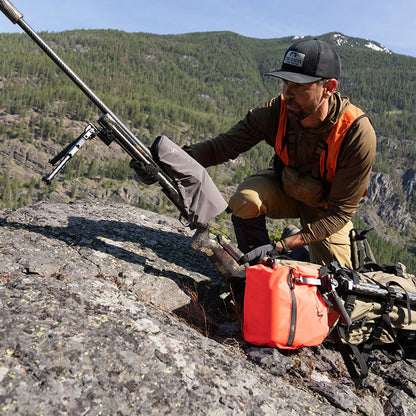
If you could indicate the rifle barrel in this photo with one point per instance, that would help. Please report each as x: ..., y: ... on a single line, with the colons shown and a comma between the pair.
x: 126, y: 139
x: 10, y: 11
x: 17, y: 18
x: 370, y: 289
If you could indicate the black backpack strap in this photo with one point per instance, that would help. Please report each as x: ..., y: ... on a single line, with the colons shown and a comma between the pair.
x: 351, y: 297
x: 361, y: 254
x: 384, y: 324
x: 348, y: 352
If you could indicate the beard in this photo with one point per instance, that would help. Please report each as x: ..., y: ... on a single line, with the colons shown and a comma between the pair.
x: 298, y: 116
x: 298, y: 113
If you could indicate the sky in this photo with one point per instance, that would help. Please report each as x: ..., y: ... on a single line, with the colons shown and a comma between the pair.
x: 392, y: 23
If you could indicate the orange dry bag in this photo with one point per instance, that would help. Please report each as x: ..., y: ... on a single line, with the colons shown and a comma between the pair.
x: 281, y: 309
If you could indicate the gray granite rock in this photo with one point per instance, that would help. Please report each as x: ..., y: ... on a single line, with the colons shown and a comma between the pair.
x: 104, y: 310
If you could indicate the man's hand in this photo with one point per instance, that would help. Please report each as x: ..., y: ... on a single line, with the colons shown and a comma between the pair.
x: 256, y: 255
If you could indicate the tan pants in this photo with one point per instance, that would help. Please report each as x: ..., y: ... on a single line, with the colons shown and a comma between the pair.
x: 262, y: 194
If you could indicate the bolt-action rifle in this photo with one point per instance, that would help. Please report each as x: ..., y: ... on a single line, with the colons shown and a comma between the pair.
x: 182, y: 179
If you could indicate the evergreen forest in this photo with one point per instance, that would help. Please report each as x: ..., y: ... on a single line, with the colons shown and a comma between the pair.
x: 189, y: 87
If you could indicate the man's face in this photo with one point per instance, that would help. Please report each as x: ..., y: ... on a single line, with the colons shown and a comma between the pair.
x: 303, y: 100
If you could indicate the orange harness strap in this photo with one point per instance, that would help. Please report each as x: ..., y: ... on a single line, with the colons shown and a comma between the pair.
x: 328, y: 149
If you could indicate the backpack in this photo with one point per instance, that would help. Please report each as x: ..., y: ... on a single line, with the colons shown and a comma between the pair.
x: 378, y: 311
x: 366, y: 308
x: 291, y: 305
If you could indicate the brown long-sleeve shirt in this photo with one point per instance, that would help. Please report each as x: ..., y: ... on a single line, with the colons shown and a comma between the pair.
x: 354, y: 165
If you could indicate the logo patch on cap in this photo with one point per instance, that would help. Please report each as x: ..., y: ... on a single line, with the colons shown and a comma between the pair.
x: 294, y: 58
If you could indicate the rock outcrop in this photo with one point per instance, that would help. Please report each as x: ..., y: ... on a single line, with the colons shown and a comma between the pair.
x: 386, y: 200
x: 105, y: 311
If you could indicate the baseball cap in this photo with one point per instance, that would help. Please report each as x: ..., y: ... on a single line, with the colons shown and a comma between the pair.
x: 309, y: 60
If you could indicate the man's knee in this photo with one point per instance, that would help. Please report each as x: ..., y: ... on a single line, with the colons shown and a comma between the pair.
x: 246, y: 203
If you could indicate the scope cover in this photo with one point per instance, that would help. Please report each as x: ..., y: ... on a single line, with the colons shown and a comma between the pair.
x: 202, y: 199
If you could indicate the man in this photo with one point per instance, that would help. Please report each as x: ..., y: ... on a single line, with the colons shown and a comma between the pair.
x: 324, y: 151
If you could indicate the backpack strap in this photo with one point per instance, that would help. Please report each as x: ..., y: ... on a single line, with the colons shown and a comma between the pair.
x: 351, y: 297
x: 348, y: 351
x: 291, y: 143
x: 362, y: 352
x: 383, y: 323
x: 407, y: 297
x: 361, y: 254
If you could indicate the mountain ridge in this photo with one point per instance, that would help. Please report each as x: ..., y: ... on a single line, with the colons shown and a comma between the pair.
x: 189, y: 87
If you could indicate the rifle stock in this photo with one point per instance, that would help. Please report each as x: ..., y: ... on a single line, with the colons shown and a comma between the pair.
x: 223, y: 254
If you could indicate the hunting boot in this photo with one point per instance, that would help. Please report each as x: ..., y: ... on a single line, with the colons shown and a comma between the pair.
x: 250, y: 233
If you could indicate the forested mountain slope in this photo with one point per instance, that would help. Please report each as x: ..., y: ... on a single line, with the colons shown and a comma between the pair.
x: 189, y: 87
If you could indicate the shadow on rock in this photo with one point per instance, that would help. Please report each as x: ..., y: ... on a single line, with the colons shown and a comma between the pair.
x: 105, y: 236
x: 210, y: 303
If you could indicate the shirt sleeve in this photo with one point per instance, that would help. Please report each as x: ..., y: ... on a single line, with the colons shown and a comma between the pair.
x: 350, y: 182
x: 259, y: 124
